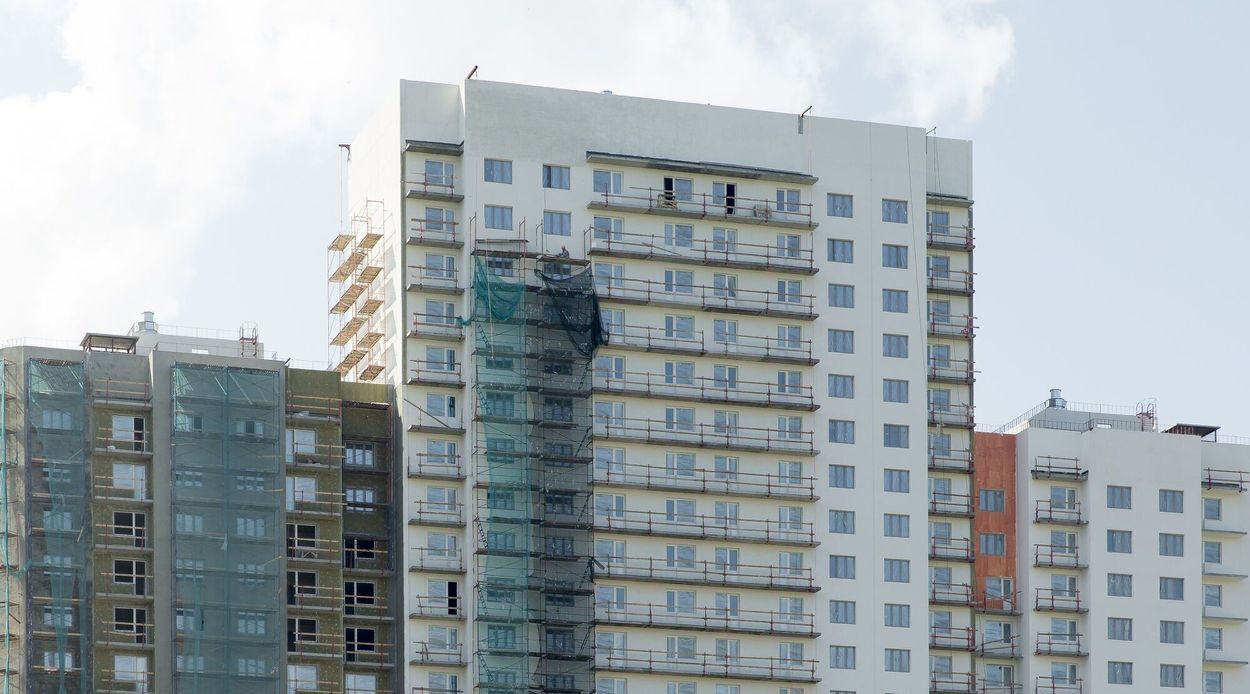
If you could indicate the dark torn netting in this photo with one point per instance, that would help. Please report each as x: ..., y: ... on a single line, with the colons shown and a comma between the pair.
x: 575, y: 303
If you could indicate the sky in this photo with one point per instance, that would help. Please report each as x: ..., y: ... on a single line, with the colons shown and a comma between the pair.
x: 182, y: 156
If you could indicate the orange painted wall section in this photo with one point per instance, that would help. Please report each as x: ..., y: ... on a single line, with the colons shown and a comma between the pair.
x: 994, y: 467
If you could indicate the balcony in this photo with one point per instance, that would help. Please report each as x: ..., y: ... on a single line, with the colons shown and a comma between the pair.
x: 705, y: 573
x: 950, y: 548
x: 1059, y: 600
x: 132, y: 489
x: 425, y: 186
x: 436, y: 327
x: 991, y: 603
x: 951, y: 594
x: 1000, y: 687
x: 950, y: 504
x: 1222, y: 526
x: 437, y: 607
x: 1225, y: 480
x: 950, y: 282
x: 661, y: 524
x: 948, y: 236
x: 437, y: 513
x: 706, y: 481
x: 706, y: 665
x: 703, y: 389
x: 1219, y: 656
x: 1220, y: 570
x: 307, y: 598
x: 1223, y: 613
x: 369, y: 555
x: 726, y: 346
x: 421, y: 420
x: 952, y: 638
x: 436, y: 280
x: 950, y: 461
x: 952, y: 683
x: 436, y: 560
x: 1058, y: 685
x: 313, y: 645
x: 1060, y: 644
x: 1058, y: 556
x: 944, y: 325
x: 751, y: 302
x: 1049, y: 467
x: 707, y: 619
x: 122, y: 442
x: 950, y: 414
x: 731, y: 210
x: 730, y: 254
x: 121, y: 393
x: 369, y: 654
x: 307, y: 503
x: 326, y: 550
x: 436, y: 466
x: 443, y: 374
x: 1047, y: 511
x: 951, y: 371
x: 999, y: 647
x: 704, y: 435
x: 432, y: 232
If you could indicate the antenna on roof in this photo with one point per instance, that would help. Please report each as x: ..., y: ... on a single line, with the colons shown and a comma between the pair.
x: 802, y: 116
x: 471, y: 73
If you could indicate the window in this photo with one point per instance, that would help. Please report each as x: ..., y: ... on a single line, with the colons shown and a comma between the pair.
x: 1120, y: 585
x: 893, y: 256
x: 1119, y: 629
x: 1171, y: 675
x: 991, y: 500
x: 894, y: 390
x: 557, y: 223
x: 1119, y: 672
x: 842, y: 657
x: 677, y: 189
x: 894, y: 211
x: 360, y: 500
x: 608, y: 182
x: 497, y: 171
x: 679, y: 235
x: 897, y: 660
x: 841, y: 431
x: 1213, y: 638
x: 841, y: 566
x: 896, y: 435
x: 1120, y: 541
x: 250, y: 527
x: 1171, y: 545
x: 1212, y: 595
x: 993, y: 544
x: 789, y: 291
x: 897, y: 481
x: 842, y: 296
x: 897, y: 571
x: 1212, y: 509
x: 894, y: 301
x: 842, y: 611
x: 897, y: 615
x: 894, y: 346
x: 681, y: 688
x: 1171, y: 501
x: 839, y: 205
x: 555, y: 176
x: 841, y: 386
x: 787, y: 200
x: 842, y: 522
x: 842, y: 341
x: 1212, y: 552
x: 842, y: 476
x: 897, y: 525
x: 841, y: 251
x: 1171, y: 632
x: 1119, y: 497
x: 1171, y: 588
x: 498, y: 217
x: 679, y: 281
x: 1212, y: 683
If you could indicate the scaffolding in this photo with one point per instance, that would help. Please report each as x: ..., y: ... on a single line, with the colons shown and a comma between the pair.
x: 536, y: 326
x: 13, y: 617
x: 355, y: 294
x: 228, y: 546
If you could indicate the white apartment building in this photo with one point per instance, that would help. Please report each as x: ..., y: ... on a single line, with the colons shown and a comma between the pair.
x: 1129, y: 557
x: 778, y: 427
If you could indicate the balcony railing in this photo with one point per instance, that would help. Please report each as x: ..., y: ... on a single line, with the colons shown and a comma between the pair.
x: 705, y: 572
x: 954, y: 461
x: 999, y: 647
x: 1059, y: 643
x: 1059, y: 600
x: 1047, y: 511
x: 313, y: 549
x: 122, y: 392
x: 945, y: 325
x: 435, y: 186
x: 705, y: 435
x: 437, y: 607
x: 952, y: 281
x: 950, y: 504
x: 1061, y: 556
x: 442, y: 466
x: 303, y: 502
x: 999, y: 687
x: 1058, y: 685
x: 953, y: 682
x: 434, y: 279
x: 422, y: 420
x: 436, y: 327
x: 704, y: 206
x: 707, y: 527
x: 432, y: 232
x: 706, y: 665
x: 701, y: 251
x: 707, y: 481
x: 952, y: 638
x: 768, y: 302
x: 127, y: 441
x: 948, y: 236
x: 435, y: 560
x: 992, y: 603
x: 950, y: 414
x: 699, y: 343
x: 1049, y: 467
x: 951, y: 370
x: 1235, y: 480
x: 703, y: 389
x: 950, y: 548
x: 951, y: 594
x: 442, y: 513
x: 435, y: 373
x: 707, y: 619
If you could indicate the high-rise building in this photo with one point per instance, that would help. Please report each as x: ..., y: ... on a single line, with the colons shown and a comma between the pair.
x: 184, y: 515
x: 1116, y: 552
x: 758, y: 478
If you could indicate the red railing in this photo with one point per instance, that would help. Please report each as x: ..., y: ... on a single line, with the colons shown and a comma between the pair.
x: 1058, y: 643
x: 1057, y: 555
x: 1057, y: 685
x: 959, y: 281
x: 705, y: 572
x: 950, y: 236
x: 1225, y: 479
x: 1046, y: 511
x: 1059, y: 600
x: 432, y: 184
x: 705, y: 435
x: 704, y: 388
x: 439, y: 326
x: 951, y: 593
x: 707, y: 297
x: 700, y: 251
x: 953, y: 682
x: 1049, y: 466
x: 950, y: 548
x: 705, y: 205
x: 735, y: 345
x: 434, y: 232
x: 956, y: 638
x: 706, y: 664
x: 958, y: 461
x: 951, y: 370
x: 707, y: 618
x: 950, y: 325
x: 706, y: 527
x: 950, y: 504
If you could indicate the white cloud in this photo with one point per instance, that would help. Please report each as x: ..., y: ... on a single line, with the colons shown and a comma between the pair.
x: 111, y: 186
